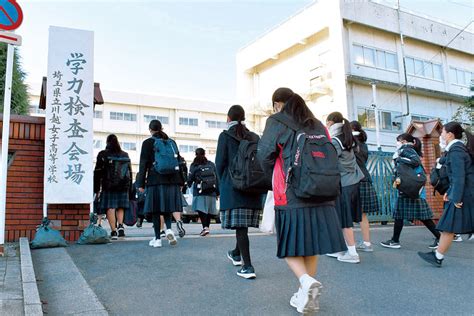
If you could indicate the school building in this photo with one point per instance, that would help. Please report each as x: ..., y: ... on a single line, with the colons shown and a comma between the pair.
x: 192, y: 123
x: 333, y: 50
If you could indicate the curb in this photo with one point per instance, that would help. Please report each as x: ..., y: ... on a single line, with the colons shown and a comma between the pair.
x: 31, y: 299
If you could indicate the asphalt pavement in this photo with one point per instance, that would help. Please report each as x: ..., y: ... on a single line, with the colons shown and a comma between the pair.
x: 196, y: 278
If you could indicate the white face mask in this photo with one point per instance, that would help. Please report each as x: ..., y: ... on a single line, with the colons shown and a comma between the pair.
x: 399, y: 145
x: 442, y: 143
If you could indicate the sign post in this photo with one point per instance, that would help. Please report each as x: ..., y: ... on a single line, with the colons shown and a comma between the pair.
x: 11, y: 17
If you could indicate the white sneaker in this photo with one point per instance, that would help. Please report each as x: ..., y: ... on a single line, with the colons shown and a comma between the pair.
x: 171, y: 237
x: 349, y: 258
x: 156, y: 243
x: 308, y: 298
x: 294, y: 298
x: 457, y: 237
x: 335, y: 254
x: 471, y: 237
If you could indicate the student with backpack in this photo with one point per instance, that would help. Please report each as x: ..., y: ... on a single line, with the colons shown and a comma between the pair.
x: 159, y: 173
x: 458, y: 215
x: 203, y: 180
x: 297, y: 150
x: 410, y: 182
x: 239, y: 208
x: 348, y: 204
x: 368, y: 196
x: 113, y: 184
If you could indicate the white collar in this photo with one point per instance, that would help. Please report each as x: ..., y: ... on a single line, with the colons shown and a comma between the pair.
x: 452, y: 143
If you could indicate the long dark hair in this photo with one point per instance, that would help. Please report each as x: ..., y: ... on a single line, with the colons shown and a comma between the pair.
x: 200, y: 158
x: 295, y: 107
x: 348, y: 139
x: 356, y: 127
x: 457, y: 130
x: 157, y: 129
x: 112, y: 144
x: 237, y: 113
x: 411, y: 139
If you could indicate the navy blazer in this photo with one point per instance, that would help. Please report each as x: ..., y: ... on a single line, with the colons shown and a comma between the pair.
x: 230, y: 198
x: 460, y: 169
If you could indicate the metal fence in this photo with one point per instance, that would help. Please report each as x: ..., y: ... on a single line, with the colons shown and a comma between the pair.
x: 380, y: 167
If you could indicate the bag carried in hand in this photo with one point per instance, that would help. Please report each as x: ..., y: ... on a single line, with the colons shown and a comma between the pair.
x: 130, y: 216
x: 245, y: 170
x: 118, y: 173
x: 166, y: 156
x: 439, y: 180
x: 206, y: 179
x: 313, y: 172
x: 268, y: 218
x: 410, y: 181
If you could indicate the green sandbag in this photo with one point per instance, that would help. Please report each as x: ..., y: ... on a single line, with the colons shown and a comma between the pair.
x: 93, y: 234
x: 47, y: 237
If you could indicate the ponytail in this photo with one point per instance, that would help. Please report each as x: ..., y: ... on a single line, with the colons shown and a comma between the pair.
x: 347, y: 137
x: 356, y: 127
x: 237, y: 113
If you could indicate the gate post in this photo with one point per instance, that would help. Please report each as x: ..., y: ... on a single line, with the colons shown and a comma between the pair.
x: 428, y: 132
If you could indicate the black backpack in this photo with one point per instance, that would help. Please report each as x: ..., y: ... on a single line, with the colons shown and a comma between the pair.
x: 245, y: 170
x: 439, y: 180
x: 183, y: 170
x: 117, y: 173
x: 313, y: 172
x: 410, y: 180
x: 206, y: 179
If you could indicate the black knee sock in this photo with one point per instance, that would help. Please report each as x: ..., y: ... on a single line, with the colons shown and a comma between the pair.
x: 236, y: 251
x: 397, y: 230
x: 167, y: 217
x: 202, y: 217
x: 156, y: 224
x: 432, y: 227
x: 208, y: 220
x: 243, y: 243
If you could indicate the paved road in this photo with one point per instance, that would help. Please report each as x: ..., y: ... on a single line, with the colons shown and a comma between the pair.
x: 195, y: 278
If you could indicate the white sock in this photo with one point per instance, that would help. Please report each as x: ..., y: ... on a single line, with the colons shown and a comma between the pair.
x: 305, y: 279
x: 439, y: 255
x: 352, y: 250
x: 367, y: 243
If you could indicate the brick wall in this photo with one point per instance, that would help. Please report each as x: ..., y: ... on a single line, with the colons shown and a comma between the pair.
x: 24, y: 208
x: 431, y: 152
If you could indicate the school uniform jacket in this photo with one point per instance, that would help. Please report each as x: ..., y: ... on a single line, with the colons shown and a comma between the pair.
x: 460, y: 169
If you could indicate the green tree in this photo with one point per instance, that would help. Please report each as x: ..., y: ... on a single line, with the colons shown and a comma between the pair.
x: 465, y: 113
x: 19, y: 103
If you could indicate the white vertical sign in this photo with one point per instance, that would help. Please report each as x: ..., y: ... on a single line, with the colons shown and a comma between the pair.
x: 68, y: 174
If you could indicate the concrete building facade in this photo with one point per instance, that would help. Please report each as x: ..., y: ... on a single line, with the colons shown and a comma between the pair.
x: 331, y: 52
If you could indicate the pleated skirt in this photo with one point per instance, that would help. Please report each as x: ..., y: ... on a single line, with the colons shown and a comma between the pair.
x: 163, y: 198
x: 115, y: 200
x: 240, y: 218
x: 205, y: 204
x: 410, y: 209
x: 368, y: 198
x: 457, y: 220
x: 348, y: 206
x: 308, y: 231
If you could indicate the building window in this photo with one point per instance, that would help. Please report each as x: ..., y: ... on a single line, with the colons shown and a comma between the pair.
x: 34, y: 109
x: 187, y: 148
x: 188, y: 121
x: 97, y: 144
x: 461, y: 77
x: 375, y: 58
x: 216, y: 124
x: 128, y: 146
x: 120, y: 116
x: 98, y: 114
x: 389, y: 121
x: 423, y: 68
x: 163, y: 119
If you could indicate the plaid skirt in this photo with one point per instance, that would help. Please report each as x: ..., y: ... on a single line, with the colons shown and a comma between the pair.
x: 240, y: 218
x: 410, y: 209
x: 368, y: 198
x: 113, y: 200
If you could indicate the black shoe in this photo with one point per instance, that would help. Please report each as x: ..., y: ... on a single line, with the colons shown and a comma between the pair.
x: 430, y: 257
x: 162, y: 234
x: 181, y: 231
x: 140, y: 222
x: 113, y: 235
x: 390, y: 244
x: 434, y: 245
x: 247, y: 272
x: 236, y: 260
x: 121, y: 231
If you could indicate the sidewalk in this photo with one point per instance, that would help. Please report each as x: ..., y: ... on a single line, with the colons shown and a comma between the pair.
x: 11, y: 293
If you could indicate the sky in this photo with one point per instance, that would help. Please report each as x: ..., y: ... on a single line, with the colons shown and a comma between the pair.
x: 183, y: 48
